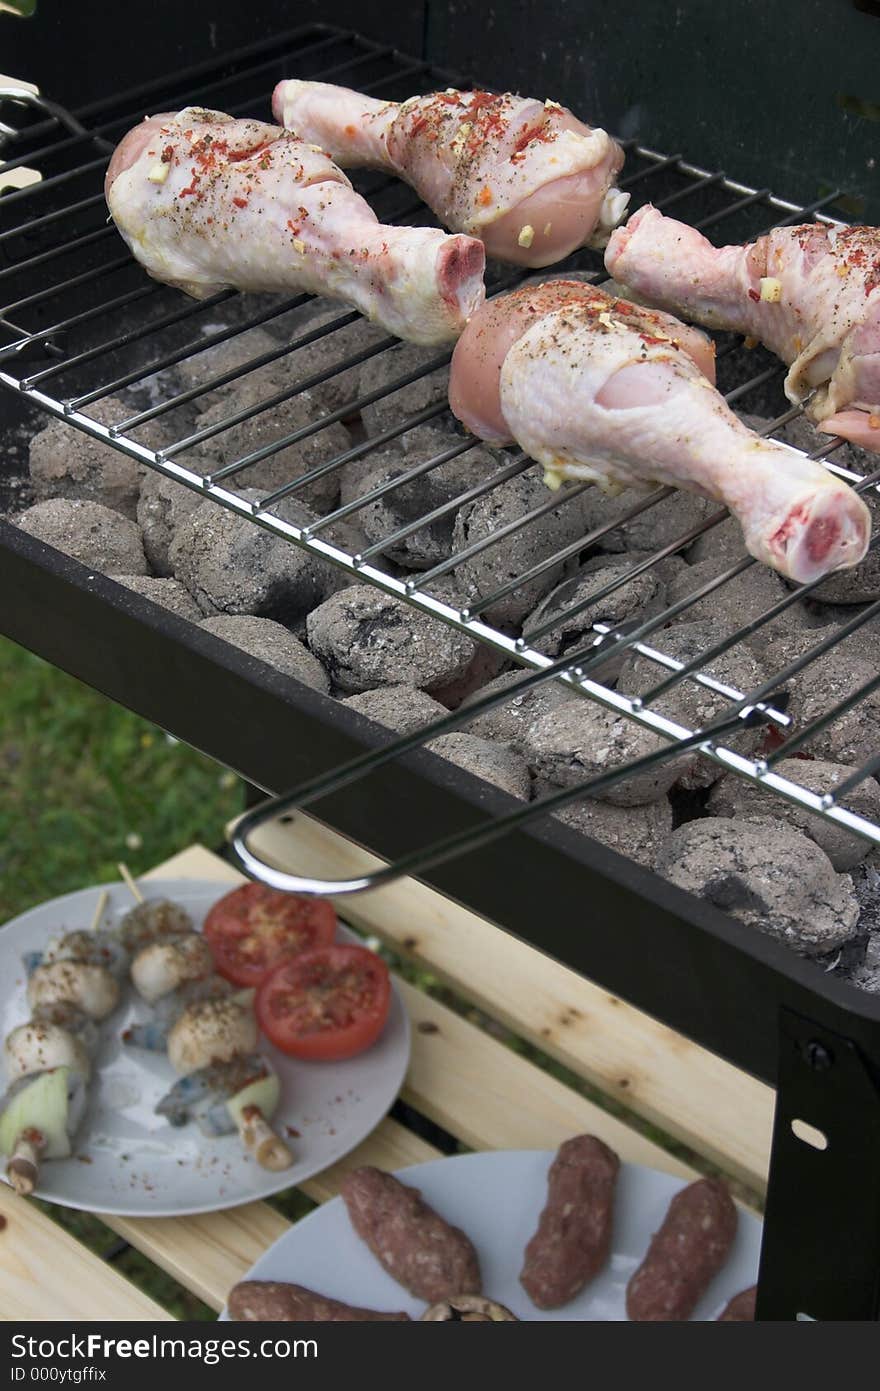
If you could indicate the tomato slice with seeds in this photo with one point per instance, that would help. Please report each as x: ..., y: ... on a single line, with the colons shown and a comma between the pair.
x: 325, y: 1004
x: 253, y: 928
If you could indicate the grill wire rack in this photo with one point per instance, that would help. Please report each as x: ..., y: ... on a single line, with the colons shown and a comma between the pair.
x: 81, y: 322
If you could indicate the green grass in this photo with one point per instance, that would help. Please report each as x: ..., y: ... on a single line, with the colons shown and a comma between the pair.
x: 84, y: 784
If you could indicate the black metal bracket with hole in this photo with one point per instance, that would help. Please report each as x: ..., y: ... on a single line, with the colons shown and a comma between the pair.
x: 822, y: 1219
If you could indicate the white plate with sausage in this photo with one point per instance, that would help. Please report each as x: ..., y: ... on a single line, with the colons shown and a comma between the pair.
x: 496, y: 1198
x: 130, y: 1162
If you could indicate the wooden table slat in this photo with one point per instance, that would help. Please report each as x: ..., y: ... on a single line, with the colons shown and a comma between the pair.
x: 692, y: 1094
x: 45, y: 1273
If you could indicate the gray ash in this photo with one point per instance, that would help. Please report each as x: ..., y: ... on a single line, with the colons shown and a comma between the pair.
x: 229, y: 565
x: 394, y: 407
x: 168, y: 594
x: 271, y: 643
x: 95, y: 535
x: 365, y: 638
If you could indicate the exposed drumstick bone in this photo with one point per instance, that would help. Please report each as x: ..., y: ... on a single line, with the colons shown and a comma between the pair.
x: 260, y: 1140
x: 23, y: 1168
x: 132, y: 887
x: 99, y: 910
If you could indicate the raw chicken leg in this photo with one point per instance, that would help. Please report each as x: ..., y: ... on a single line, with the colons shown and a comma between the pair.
x: 810, y: 294
x: 597, y: 388
x: 206, y: 201
x: 527, y: 177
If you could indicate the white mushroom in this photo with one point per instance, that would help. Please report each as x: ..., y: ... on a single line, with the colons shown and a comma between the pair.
x: 468, y: 1308
x: 213, y: 1031
x: 97, y: 948
x: 37, y: 1047
x: 163, y: 966
x: 91, y: 988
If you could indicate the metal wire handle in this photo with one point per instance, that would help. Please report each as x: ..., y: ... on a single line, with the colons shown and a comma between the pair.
x: 460, y: 842
x: 24, y: 97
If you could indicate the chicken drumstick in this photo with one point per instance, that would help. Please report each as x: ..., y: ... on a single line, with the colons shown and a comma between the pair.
x: 811, y: 294
x: 527, y: 177
x: 206, y: 201
x: 593, y: 387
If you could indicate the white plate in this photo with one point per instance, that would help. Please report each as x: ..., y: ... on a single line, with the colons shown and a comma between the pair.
x: 496, y: 1197
x: 129, y: 1161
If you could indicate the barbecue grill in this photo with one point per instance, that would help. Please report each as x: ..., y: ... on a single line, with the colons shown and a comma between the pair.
x: 80, y: 321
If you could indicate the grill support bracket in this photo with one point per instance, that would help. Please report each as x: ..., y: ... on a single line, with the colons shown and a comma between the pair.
x: 820, y: 1256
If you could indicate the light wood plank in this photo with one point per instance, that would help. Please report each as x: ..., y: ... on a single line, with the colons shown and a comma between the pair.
x: 45, y: 1273
x: 471, y: 1084
x: 692, y: 1094
x: 22, y: 177
x: 19, y: 82
x: 210, y: 1253
x: 492, y: 1098
x: 195, y: 862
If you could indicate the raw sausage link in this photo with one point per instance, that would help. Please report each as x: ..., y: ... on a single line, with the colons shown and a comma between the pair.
x: 267, y: 1301
x: 573, y: 1239
x: 426, y: 1255
x: 689, y: 1249
x: 741, y: 1308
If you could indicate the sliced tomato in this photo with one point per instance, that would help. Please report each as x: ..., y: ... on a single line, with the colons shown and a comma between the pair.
x: 253, y: 928
x: 325, y: 1004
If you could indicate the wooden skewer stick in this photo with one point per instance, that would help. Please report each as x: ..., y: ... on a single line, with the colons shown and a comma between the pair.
x: 99, y: 911
x: 23, y: 1168
x: 133, y: 889
x: 260, y: 1140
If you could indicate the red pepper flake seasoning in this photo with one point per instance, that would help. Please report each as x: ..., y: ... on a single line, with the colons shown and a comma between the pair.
x: 168, y: 154
x: 235, y: 155
x: 484, y: 197
x: 349, y: 130
x: 239, y: 202
x: 874, y: 422
x: 753, y: 295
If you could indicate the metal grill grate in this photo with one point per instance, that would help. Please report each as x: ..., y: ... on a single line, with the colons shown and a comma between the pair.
x: 80, y: 322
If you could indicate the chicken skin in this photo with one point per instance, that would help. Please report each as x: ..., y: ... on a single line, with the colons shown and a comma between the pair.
x: 526, y: 177
x: 206, y: 201
x: 811, y: 294
x: 597, y: 388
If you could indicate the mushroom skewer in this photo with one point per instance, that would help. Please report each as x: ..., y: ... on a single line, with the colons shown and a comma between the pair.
x: 468, y: 1308
x: 48, y: 1060
x: 210, y: 1034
